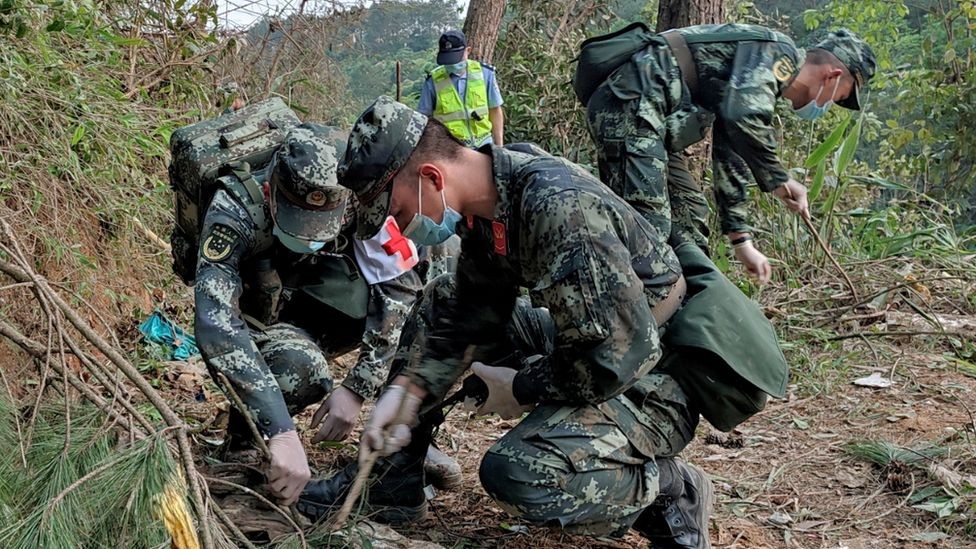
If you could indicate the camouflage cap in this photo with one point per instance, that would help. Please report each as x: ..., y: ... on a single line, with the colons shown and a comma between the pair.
x: 307, y: 201
x: 856, y: 55
x: 380, y: 143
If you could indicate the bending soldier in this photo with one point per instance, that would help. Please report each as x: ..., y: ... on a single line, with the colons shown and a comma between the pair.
x: 727, y: 77
x: 276, y: 299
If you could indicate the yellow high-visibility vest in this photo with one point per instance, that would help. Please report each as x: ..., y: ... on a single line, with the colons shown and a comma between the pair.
x: 466, y: 119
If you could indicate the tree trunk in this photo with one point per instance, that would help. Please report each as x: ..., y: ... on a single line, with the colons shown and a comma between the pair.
x: 481, y: 27
x: 673, y: 14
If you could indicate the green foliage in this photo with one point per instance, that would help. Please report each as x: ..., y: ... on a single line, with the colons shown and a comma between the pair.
x: 81, y: 486
x: 924, y: 91
x: 535, y: 69
x: 885, y: 453
x: 90, y: 96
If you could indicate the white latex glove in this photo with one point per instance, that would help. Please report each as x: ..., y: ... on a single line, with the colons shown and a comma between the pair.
x: 754, y: 261
x: 794, y: 195
x: 342, y: 407
x: 501, y: 398
x: 387, y: 430
x: 289, y: 467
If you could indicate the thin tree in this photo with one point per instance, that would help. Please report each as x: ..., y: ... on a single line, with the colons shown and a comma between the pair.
x: 481, y: 27
x: 673, y: 14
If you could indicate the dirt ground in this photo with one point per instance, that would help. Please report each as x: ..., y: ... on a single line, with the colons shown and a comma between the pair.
x: 784, y: 478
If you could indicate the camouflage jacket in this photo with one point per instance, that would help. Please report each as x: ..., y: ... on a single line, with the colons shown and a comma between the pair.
x: 585, y: 255
x: 226, y: 290
x: 739, y: 82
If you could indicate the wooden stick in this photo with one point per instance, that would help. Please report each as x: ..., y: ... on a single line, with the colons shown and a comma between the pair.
x: 366, y: 466
x: 153, y: 237
x: 830, y: 255
x: 823, y: 245
x: 258, y: 439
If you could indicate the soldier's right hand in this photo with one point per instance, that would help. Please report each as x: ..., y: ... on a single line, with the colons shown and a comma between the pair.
x: 387, y: 430
x: 289, y: 467
x: 794, y: 195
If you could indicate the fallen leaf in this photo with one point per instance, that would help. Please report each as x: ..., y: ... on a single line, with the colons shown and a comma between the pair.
x: 930, y: 537
x: 780, y: 518
x: 875, y: 380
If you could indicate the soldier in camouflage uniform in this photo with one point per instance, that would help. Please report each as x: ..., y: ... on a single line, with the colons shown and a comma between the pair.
x: 596, y: 449
x: 645, y: 114
x: 275, y: 302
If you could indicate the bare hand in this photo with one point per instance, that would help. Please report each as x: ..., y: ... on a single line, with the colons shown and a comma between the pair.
x: 289, y: 470
x: 754, y: 261
x: 340, y: 411
x: 794, y: 195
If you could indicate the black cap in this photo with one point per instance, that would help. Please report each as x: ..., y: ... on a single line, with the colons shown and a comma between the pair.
x: 450, y: 47
x: 857, y: 56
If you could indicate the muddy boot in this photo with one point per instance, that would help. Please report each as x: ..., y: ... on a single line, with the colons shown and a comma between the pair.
x: 442, y: 471
x: 239, y: 445
x: 678, y: 518
x: 393, y: 495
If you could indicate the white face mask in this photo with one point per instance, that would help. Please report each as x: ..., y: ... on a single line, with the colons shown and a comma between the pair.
x: 457, y: 68
x: 812, y: 111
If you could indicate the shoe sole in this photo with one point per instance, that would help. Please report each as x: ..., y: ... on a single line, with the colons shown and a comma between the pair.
x: 707, y: 496
x: 394, y: 516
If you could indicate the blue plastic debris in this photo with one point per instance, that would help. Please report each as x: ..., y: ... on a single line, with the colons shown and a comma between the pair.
x: 163, y: 331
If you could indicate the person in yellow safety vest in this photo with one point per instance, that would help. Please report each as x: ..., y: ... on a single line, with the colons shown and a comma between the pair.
x: 463, y: 94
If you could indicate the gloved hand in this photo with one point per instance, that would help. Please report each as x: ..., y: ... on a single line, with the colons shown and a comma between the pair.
x: 794, y: 195
x: 342, y: 407
x: 289, y: 467
x: 388, y: 427
x: 754, y: 261
x: 501, y: 399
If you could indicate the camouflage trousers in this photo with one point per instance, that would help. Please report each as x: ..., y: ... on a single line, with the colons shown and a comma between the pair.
x: 570, y: 467
x: 640, y: 122
x: 300, y: 368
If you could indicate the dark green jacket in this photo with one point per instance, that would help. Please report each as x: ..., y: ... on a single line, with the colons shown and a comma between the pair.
x: 720, y: 347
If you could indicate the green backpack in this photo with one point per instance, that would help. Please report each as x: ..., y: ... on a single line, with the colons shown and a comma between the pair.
x: 601, y: 55
x: 228, y: 152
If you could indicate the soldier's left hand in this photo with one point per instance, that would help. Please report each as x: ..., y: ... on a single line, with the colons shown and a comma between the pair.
x: 501, y: 398
x: 342, y: 407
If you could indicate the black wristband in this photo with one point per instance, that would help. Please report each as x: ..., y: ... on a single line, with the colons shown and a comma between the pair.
x: 741, y: 240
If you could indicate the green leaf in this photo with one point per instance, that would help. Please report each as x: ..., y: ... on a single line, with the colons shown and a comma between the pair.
x: 828, y: 145
x: 848, y: 148
x: 818, y: 181
x: 879, y: 182
x: 78, y: 135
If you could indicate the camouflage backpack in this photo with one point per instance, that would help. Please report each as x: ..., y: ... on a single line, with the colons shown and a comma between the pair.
x: 229, y: 152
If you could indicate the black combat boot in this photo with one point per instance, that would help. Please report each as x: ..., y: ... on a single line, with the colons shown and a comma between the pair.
x: 239, y: 445
x: 678, y: 518
x: 393, y: 495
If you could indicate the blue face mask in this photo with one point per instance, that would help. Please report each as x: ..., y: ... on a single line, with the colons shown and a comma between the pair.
x: 457, y: 68
x: 812, y: 111
x: 297, y: 245
x: 424, y: 231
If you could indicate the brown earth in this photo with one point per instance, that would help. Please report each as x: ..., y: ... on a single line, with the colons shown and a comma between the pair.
x: 783, y: 479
